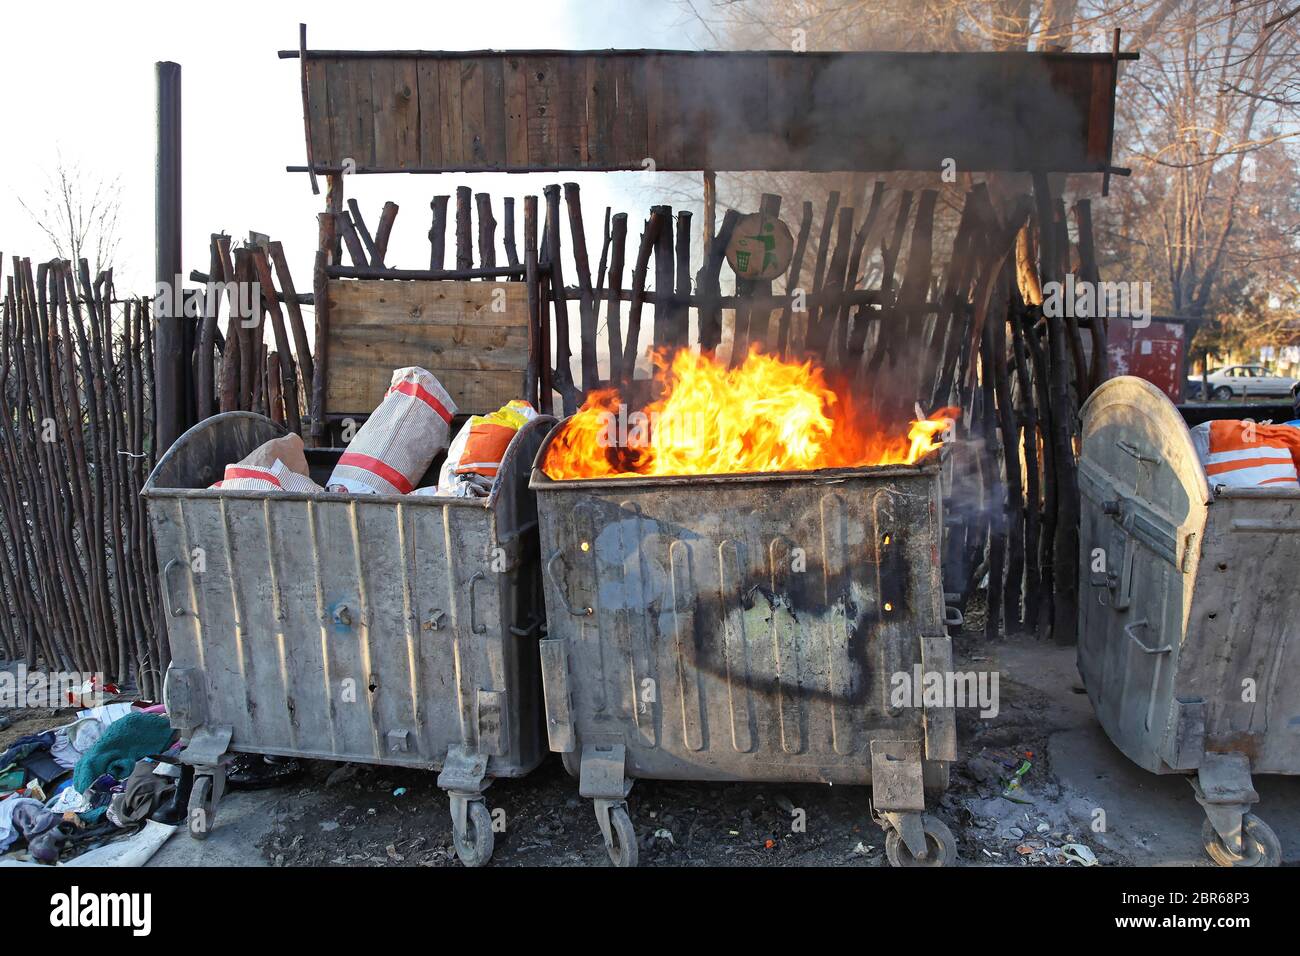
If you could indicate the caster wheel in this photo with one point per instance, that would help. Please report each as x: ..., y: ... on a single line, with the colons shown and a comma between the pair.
x: 474, y: 847
x: 1260, y: 845
x: 200, y: 813
x: 623, y: 850
x: 941, y: 846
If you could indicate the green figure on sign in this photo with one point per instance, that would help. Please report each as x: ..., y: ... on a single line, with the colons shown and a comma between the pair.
x: 767, y: 237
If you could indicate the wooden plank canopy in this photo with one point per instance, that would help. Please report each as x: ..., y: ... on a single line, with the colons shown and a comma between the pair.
x: 540, y: 110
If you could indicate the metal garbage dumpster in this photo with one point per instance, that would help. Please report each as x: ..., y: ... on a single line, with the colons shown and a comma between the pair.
x: 397, y: 630
x: 748, y: 628
x: 1188, y: 612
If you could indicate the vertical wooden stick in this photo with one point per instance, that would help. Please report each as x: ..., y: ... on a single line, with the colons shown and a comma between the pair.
x: 487, y: 232
x: 664, y: 285
x: 654, y: 226
x: 709, y: 283
x: 586, y: 301
x: 563, y: 355
x: 383, y: 232
x: 784, y: 321
x: 438, y: 232
x: 508, y: 233
x: 614, y: 318
x: 536, y: 360
x: 464, y: 256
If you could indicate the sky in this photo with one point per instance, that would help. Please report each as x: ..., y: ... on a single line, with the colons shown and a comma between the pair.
x: 83, y: 88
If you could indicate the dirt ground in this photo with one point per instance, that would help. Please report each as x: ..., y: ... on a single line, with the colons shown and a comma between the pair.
x: 359, y: 820
x: 357, y: 817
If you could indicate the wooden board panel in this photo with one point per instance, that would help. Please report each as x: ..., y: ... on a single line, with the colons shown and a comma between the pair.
x: 363, y: 122
x: 602, y: 104
x: 494, y: 114
x: 751, y: 137
x: 571, y: 113
x: 449, y: 328
x: 631, y: 145
x: 516, y: 81
x: 318, y: 111
x: 543, y: 99
x: 449, y: 73
x: 777, y: 110
x: 471, y: 113
x: 383, y: 101
x: 430, y: 114
x: 1099, y: 108
x: 789, y: 84
x: 653, y: 91
x: 406, y: 112
x: 342, y: 107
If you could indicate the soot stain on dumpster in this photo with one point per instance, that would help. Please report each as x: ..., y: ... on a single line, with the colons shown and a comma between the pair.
x: 807, y: 605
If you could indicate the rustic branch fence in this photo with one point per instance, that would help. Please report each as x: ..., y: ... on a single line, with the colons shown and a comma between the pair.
x: 77, y: 565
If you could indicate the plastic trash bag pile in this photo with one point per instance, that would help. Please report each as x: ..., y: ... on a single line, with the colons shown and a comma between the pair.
x: 395, y: 447
x: 1246, y: 454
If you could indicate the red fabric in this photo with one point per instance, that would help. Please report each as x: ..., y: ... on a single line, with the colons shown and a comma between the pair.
x: 257, y: 474
x: 386, y: 472
x: 414, y: 389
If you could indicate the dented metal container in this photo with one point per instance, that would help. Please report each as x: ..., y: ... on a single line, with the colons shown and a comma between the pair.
x: 1188, y: 613
x: 396, y: 630
x: 748, y: 628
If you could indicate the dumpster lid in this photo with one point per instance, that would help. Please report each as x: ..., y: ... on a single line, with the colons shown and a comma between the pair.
x: 1136, y: 438
x: 199, y: 457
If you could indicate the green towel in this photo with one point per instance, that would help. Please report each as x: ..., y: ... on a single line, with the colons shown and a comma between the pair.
x: 121, y: 744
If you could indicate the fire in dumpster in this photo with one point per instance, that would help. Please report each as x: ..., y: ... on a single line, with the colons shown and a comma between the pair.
x: 765, y: 415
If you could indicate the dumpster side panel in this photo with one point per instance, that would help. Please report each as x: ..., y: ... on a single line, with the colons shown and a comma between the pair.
x: 1241, y: 655
x: 742, y: 629
x: 385, y: 635
x: 356, y: 731
x: 301, y: 635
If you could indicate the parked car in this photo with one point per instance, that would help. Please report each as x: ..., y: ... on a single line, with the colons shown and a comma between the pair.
x: 1237, y: 381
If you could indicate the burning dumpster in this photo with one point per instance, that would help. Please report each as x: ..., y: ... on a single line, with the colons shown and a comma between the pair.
x: 1190, y: 600
x: 733, y: 605
x: 380, y: 629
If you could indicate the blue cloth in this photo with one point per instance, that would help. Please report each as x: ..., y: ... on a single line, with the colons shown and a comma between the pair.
x: 24, y: 746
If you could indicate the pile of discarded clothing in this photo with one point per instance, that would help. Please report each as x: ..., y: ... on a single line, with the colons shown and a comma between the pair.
x: 394, y: 449
x: 94, y: 780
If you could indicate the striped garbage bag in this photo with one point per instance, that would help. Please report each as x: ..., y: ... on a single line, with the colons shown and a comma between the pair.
x: 274, y: 477
x: 477, y: 451
x: 395, y: 446
x: 1244, y: 454
x: 277, y: 465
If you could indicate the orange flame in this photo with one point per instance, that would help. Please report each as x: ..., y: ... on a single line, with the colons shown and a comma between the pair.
x: 765, y: 415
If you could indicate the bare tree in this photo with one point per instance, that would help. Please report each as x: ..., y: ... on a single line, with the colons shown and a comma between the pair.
x: 79, y: 214
x: 1209, y: 106
x: 1204, y: 116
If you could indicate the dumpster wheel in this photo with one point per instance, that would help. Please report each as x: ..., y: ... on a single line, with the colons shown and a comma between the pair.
x: 621, y: 846
x: 1260, y: 844
x: 474, y: 847
x: 202, y: 808
x: 941, y: 845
